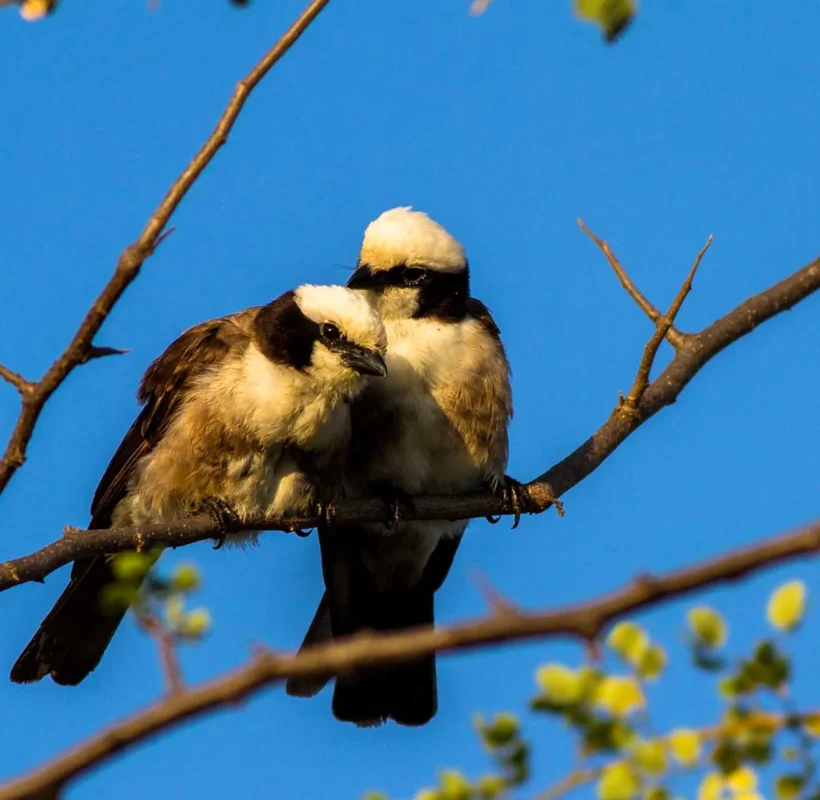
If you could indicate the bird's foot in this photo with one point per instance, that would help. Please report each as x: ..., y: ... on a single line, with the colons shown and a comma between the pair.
x: 399, y: 504
x: 513, y: 495
x: 224, y: 516
x: 326, y: 514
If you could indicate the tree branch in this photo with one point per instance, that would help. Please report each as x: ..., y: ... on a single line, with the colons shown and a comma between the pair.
x: 584, y: 621
x: 691, y: 356
x: 695, y: 351
x: 675, y: 337
x: 664, y: 325
x: 82, y: 349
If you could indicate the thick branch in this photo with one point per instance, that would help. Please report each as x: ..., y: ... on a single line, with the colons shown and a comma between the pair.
x: 81, y: 349
x: 584, y: 621
x: 695, y: 352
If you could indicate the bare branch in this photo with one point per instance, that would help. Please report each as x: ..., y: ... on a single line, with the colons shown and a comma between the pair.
x: 664, y: 325
x: 81, y: 348
x: 540, y: 493
x: 690, y: 358
x: 584, y: 621
x: 18, y: 381
x: 166, y: 647
x: 675, y: 337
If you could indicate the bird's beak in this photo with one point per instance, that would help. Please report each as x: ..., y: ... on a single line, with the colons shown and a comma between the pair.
x: 365, y: 362
x: 362, y: 278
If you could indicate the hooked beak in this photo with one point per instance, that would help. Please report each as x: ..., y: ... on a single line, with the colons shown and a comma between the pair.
x: 362, y: 278
x: 365, y: 362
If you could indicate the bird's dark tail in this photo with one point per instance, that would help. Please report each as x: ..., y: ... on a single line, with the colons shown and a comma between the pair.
x: 71, y: 640
x: 318, y: 633
x: 403, y: 692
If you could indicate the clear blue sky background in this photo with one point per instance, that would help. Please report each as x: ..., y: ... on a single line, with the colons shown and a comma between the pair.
x: 505, y: 128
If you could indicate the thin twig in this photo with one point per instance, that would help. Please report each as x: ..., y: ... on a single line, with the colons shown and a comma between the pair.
x: 133, y: 257
x: 167, y: 648
x: 664, y: 325
x: 18, y: 381
x: 689, y: 359
x: 583, y: 621
x: 675, y: 337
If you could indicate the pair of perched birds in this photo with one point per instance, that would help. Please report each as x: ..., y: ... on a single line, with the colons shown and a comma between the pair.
x: 395, y: 386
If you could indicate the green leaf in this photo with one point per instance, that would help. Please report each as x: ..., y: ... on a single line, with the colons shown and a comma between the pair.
x: 787, y: 605
x: 618, y: 782
x: 656, y: 793
x: 195, y: 624
x: 651, y: 663
x: 559, y: 684
x: 788, y: 787
x: 685, y: 746
x: 711, y: 787
x: 517, y: 762
x: 490, y: 787
x: 117, y: 597
x: 707, y: 659
x: 743, y: 781
x: 375, y: 796
x: 502, y: 730
x: 609, y: 735
x: 427, y: 794
x: 185, y: 578
x: 629, y: 641
x: 131, y: 567
x: 769, y: 666
x: 727, y: 756
x: 612, y: 16
x: 707, y: 626
x: 620, y: 695
x: 453, y: 785
x: 651, y: 757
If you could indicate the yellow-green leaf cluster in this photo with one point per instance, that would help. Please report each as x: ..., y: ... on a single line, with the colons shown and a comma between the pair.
x: 632, y: 644
x: 559, y: 684
x: 620, y: 695
x: 612, y: 16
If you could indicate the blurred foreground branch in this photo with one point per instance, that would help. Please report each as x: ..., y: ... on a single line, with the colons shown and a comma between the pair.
x: 35, y: 394
x: 585, y: 621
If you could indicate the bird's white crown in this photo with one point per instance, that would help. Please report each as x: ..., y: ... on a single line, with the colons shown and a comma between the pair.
x: 402, y: 236
x: 346, y: 309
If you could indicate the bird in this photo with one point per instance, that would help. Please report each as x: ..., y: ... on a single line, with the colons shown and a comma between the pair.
x: 437, y: 424
x: 243, y: 415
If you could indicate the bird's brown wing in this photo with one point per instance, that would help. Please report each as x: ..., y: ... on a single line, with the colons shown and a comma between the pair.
x: 161, y: 391
x: 74, y: 635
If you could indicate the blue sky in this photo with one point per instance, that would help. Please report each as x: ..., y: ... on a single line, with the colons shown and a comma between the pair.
x: 505, y: 128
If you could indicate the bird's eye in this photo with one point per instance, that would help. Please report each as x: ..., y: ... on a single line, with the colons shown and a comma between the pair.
x: 413, y: 276
x: 330, y: 332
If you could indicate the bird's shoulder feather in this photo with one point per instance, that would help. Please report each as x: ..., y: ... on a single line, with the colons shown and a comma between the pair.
x: 161, y: 390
